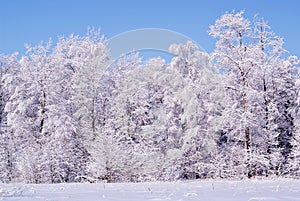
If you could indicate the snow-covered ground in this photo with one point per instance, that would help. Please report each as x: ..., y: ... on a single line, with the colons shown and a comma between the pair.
x: 208, y: 190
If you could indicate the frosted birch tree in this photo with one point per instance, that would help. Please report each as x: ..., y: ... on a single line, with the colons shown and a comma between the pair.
x: 231, y: 53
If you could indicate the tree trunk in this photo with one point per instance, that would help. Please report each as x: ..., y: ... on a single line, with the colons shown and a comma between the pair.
x: 247, y: 130
x: 93, y: 116
x: 43, y: 111
x: 268, y: 143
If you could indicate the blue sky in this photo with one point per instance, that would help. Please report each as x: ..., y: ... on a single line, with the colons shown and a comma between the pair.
x: 31, y: 21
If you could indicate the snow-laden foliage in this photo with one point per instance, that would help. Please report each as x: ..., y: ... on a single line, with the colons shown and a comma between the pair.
x: 259, y: 99
x: 68, y: 113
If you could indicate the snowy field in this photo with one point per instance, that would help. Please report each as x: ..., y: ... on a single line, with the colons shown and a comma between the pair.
x: 254, y: 190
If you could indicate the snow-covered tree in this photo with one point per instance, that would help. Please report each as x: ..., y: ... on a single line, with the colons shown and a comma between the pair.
x: 199, y: 133
x: 294, y: 159
x: 107, y: 157
x: 288, y: 129
x: 232, y: 55
x: 27, y: 112
x: 38, y: 116
x: 93, y: 58
x: 274, y: 80
x: 9, y: 69
x: 260, y: 92
x: 285, y: 99
x: 82, y: 61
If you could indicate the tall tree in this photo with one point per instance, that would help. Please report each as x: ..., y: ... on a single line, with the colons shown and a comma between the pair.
x: 231, y: 54
x: 294, y: 160
x: 9, y: 69
x: 82, y: 61
x: 275, y: 80
x: 194, y: 66
x: 285, y: 101
x: 27, y: 111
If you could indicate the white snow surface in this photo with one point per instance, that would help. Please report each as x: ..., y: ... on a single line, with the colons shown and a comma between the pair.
x: 206, y: 190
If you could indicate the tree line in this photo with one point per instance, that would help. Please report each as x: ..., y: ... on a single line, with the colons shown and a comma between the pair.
x: 70, y: 114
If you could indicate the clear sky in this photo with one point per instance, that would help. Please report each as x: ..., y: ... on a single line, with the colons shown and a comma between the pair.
x: 31, y: 21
